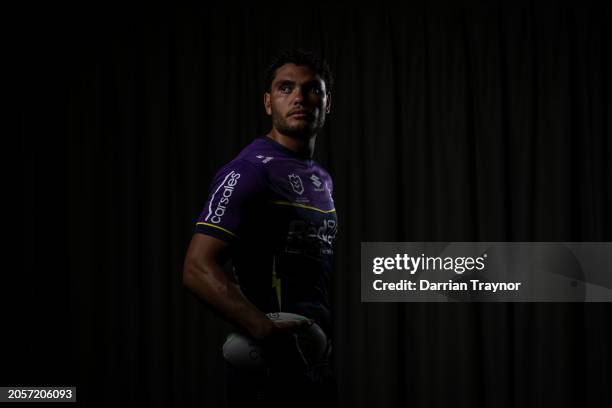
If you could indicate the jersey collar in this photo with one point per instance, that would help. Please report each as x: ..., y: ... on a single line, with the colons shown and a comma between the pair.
x: 285, y: 150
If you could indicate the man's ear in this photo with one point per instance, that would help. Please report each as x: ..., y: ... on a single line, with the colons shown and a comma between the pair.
x: 328, y: 108
x: 267, y: 104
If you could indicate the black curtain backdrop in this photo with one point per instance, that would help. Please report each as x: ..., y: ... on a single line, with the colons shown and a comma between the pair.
x: 454, y: 124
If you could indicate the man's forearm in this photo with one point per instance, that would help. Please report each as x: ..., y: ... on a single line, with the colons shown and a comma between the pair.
x: 212, y: 286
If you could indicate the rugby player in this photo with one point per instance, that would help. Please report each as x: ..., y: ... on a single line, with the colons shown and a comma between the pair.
x: 270, y: 210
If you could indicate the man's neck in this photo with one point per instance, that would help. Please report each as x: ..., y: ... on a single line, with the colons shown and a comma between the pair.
x: 304, y: 147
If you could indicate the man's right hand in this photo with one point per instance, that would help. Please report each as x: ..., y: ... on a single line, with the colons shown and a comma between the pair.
x: 265, y: 327
x: 280, y: 346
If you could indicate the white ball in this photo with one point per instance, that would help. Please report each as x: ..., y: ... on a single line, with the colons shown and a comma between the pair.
x: 244, y: 352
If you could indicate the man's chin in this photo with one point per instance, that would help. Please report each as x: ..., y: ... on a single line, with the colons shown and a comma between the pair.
x: 305, y: 131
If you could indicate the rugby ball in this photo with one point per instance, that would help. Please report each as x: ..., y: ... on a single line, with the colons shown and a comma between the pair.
x: 244, y: 352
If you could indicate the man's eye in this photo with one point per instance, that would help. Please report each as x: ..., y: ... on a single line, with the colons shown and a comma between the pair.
x: 285, y: 88
x: 316, y: 91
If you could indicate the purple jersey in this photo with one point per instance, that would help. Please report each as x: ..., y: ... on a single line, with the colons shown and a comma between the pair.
x: 276, y: 208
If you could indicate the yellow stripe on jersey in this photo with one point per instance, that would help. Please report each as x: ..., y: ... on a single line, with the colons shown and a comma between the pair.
x: 216, y: 226
x: 303, y: 206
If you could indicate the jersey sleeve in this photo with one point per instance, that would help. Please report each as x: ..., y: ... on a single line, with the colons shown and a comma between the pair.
x: 233, y: 190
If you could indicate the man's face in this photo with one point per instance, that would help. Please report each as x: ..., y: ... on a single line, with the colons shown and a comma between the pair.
x: 298, y: 101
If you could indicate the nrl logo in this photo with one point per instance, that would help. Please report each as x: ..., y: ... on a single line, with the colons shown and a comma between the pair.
x: 296, y: 183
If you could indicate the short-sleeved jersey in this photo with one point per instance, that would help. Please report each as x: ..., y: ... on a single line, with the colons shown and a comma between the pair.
x: 275, y: 207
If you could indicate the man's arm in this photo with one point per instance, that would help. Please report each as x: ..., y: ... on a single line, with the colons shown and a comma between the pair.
x: 203, y: 275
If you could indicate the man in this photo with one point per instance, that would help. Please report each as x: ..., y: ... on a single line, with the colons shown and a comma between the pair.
x: 270, y: 210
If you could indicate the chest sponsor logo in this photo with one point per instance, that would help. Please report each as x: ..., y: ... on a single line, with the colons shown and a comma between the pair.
x: 302, y: 232
x: 296, y: 183
x: 316, y: 182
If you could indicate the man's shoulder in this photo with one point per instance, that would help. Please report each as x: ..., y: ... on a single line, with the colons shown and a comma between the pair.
x: 256, y: 155
x: 249, y: 162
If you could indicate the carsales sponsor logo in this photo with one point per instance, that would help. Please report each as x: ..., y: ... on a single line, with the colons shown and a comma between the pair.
x: 226, y: 189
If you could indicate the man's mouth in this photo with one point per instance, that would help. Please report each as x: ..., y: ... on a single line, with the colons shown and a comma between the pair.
x: 300, y: 114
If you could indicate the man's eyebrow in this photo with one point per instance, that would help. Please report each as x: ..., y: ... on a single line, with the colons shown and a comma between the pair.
x: 285, y: 82
x: 290, y: 82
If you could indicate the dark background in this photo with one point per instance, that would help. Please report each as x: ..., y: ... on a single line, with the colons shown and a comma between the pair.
x: 455, y: 124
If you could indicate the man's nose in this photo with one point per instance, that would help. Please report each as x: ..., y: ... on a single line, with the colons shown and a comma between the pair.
x: 299, y: 94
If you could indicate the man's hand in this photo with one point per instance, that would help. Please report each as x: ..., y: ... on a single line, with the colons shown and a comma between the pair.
x: 280, y: 347
x: 266, y: 327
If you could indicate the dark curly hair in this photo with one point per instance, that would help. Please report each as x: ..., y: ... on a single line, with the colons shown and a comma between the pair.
x: 304, y: 58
